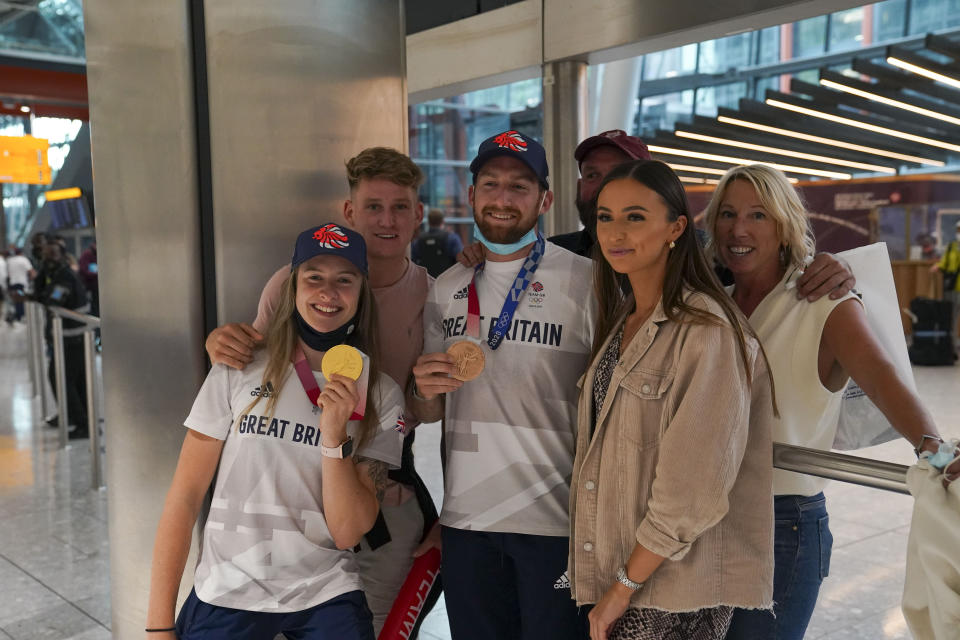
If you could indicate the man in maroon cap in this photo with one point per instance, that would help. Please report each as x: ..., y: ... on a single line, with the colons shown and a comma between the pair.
x: 597, y: 156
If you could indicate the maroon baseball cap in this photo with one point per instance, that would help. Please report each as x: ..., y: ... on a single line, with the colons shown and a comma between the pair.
x: 630, y: 145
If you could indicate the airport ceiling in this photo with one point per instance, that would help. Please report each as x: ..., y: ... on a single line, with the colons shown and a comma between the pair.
x: 898, y: 113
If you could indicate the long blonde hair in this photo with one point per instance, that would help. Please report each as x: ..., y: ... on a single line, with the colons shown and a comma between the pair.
x: 282, y: 341
x: 780, y: 200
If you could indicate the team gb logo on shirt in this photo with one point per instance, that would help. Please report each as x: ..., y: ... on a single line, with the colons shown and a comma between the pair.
x: 536, y: 295
x: 511, y: 140
x: 330, y: 236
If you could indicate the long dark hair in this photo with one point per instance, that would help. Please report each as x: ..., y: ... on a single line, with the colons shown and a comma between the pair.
x: 687, y: 268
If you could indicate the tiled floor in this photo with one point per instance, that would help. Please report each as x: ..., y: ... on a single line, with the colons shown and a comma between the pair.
x: 54, y: 577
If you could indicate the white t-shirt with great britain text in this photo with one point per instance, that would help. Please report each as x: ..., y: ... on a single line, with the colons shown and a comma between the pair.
x: 510, y: 434
x: 266, y: 545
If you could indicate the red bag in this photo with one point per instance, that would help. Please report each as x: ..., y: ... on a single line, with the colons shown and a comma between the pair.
x: 413, y: 594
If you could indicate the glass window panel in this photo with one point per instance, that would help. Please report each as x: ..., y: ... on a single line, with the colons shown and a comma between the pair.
x: 809, y: 37
x: 670, y: 63
x: 663, y: 111
x: 846, y: 29
x: 769, y: 52
x: 933, y: 15
x: 762, y: 84
x: 726, y: 53
x: 445, y: 134
x: 889, y: 20
x: 726, y: 95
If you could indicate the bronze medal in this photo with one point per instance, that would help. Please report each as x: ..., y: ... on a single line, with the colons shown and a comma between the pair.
x: 468, y: 358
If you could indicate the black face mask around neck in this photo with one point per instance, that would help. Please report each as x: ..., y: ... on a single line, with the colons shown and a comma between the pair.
x: 324, y: 341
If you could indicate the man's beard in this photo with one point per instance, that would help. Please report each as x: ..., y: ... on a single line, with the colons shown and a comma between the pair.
x: 588, y: 215
x: 501, y: 235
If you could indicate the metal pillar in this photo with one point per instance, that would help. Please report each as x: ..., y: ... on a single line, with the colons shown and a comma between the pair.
x: 617, y: 98
x: 564, y: 126
x: 60, y: 375
x: 93, y: 420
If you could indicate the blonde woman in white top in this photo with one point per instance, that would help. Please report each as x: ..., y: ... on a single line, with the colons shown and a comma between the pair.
x: 760, y: 230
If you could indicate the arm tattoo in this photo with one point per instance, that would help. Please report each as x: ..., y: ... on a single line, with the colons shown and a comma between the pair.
x: 377, y: 472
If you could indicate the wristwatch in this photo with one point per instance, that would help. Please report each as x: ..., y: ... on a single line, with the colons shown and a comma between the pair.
x: 627, y: 582
x: 343, y: 450
x: 923, y: 439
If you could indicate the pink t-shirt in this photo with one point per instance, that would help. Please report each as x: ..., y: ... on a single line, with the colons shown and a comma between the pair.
x: 400, y: 313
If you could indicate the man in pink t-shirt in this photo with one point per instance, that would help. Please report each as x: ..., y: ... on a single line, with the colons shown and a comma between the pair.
x: 384, y: 208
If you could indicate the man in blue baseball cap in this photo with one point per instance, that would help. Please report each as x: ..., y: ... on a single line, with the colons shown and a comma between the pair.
x: 508, y: 432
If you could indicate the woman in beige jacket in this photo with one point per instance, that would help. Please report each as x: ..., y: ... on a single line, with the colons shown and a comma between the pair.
x: 671, y: 506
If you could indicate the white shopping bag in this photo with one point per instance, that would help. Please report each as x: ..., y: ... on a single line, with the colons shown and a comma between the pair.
x: 861, y: 422
x: 931, y: 588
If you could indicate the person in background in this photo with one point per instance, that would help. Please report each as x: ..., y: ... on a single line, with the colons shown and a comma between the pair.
x: 761, y: 231
x: 3, y: 286
x: 20, y: 272
x: 57, y: 285
x: 596, y: 156
x: 37, y: 242
x: 436, y: 248
x: 671, y: 499
x: 949, y: 266
x: 299, y: 478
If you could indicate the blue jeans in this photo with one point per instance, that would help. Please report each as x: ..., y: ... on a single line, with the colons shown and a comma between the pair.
x: 801, y: 554
x: 345, y: 617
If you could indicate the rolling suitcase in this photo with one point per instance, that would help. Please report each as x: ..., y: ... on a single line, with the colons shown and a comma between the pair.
x: 932, y: 329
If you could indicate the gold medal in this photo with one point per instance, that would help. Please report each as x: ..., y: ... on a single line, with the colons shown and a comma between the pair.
x: 344, y: 360
x: 468, y: 358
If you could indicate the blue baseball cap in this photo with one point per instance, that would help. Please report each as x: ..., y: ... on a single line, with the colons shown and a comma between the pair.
x: 516, y: 145
x: 330, y: 239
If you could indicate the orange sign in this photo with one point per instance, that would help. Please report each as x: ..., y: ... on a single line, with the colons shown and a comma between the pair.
x: 23, y: 159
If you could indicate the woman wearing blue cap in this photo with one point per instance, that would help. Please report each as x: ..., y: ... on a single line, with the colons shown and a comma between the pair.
x: 301, y: 461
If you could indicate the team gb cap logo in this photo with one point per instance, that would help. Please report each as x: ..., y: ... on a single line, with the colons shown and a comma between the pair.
x: 511, y: 140
x: 330, y: 236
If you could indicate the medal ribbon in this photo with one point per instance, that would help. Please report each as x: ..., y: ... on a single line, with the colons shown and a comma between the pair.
x: 499, y: 328
x: 309, y: 381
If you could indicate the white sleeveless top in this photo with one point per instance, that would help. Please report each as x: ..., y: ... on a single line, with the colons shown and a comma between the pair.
x: 790, y: 331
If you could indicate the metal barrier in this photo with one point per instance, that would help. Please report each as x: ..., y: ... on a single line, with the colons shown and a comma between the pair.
x: 839, y: 466
x: 35, y: 323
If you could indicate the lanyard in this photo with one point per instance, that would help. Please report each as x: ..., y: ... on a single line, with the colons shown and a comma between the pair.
x: 305, y: 373
x: 310, y: 387
x: 499, y: 328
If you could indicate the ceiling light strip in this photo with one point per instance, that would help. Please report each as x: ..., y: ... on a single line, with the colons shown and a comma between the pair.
x: 862, y: 125
x: 922, y: 71
x: 735, y: 161
x: 693, y: 169
x: 786, y: 152
x: 790, y: 133
x: 906, y: 106
x: 692, y: 180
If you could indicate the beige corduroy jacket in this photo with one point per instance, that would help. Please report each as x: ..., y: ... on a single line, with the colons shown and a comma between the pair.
x: 679, y: 460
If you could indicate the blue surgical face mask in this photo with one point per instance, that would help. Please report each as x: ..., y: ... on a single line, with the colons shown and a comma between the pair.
x: 506, y: 249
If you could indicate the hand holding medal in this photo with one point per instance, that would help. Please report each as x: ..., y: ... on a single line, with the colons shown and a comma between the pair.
x: 468, y: 359
x: 434, y: 375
